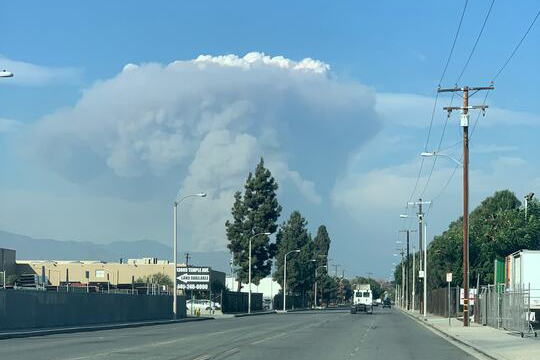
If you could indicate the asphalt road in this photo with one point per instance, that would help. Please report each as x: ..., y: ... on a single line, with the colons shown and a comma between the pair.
x: 387, y: 334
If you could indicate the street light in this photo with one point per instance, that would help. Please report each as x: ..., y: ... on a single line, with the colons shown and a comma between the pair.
x: 175, y: 241
x: 320, y: 267
x: 436, y: 153
x: 285, y: 278
x: 249, y: 271
x: 5, y: 73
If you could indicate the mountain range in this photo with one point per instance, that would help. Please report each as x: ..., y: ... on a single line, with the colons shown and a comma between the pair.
x: 49, y: 249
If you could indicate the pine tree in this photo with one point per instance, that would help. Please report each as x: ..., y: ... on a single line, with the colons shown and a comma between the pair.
x: 253, y: 213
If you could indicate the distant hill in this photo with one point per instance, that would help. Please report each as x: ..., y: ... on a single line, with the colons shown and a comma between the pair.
x: 48, y: 249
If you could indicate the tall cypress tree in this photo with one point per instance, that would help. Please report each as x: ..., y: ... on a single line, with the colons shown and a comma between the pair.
x: 322, y: 247
x: 322, y: 243
x: 293, y: 235
x: 253, y: 213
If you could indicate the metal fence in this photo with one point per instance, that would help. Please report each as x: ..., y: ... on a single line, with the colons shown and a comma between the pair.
x: 439, y: 299
x: 508, y: 309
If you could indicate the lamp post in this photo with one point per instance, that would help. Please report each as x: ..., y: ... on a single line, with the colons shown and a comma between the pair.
x: 285, y: 278
x: 436, y: 153
x: 249, y: 271
x: 175, y: 241
x: 320, y: 267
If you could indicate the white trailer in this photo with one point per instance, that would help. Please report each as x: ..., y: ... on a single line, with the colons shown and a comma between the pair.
x: 525, y: 275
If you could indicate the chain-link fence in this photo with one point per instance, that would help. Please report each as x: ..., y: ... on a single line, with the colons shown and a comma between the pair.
x: 509, y: 309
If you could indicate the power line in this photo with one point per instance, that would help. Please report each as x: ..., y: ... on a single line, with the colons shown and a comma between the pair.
x: 438, y: 149
x: 517, y: 46
x: 487, y: 93
x: 437, y: 97
x: 457, y: 81
x: 476, y: 42
x: 454, y: 43
x: 460, y: 160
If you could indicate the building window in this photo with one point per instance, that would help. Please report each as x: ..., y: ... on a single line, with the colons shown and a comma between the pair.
x: 100, y: 273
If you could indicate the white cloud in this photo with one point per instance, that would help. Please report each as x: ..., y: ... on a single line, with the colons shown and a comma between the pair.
x: 9, y: 126
x: 491, y: 148
x: 413, y: 110
x: 375, y: 198
x: 208, y: 121
x: 28, y: 74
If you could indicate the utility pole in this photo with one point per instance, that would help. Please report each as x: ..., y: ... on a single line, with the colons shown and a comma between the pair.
x: 413, y: 277
x: 187, y: 259
x: 402, y: 264
x: 407, y: 287
x: 423, y: 249
x: 465, y: 125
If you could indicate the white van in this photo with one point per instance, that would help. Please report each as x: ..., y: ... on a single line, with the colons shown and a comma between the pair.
x: 362, y: 299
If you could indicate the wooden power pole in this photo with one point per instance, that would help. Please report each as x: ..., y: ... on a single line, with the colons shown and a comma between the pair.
x: 465, y: 125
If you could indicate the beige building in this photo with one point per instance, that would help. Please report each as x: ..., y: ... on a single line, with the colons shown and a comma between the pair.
x: 57, y: 272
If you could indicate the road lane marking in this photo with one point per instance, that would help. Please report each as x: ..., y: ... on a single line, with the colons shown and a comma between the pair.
x: 204, y: 357
x: 269, y: 338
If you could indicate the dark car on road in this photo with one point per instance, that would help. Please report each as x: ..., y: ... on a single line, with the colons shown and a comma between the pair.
x: 387, y: 303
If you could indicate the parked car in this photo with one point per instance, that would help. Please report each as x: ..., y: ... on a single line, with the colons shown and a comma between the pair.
x: 202, y: 305
x: 387, y: 303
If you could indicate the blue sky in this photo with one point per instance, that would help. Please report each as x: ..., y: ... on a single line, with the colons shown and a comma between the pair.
x: 354, y: 175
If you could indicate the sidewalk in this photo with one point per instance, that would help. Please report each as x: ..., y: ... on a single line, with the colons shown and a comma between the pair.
x: 494, y: 343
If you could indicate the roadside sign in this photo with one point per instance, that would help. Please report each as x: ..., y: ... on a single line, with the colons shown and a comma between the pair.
x: 421, y: 274
x: 193, y: 277
x: 449, y: 277
x: 472, y: 295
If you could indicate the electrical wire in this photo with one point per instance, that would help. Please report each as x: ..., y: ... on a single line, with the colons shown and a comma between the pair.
x: 457, y: 81
x: 476, y: 42
x: 460, y: 160
x: 454, y: 43
x: 438, y: 149
x: 437, y: 97
x: 487, y: 93
x: 517, y: 46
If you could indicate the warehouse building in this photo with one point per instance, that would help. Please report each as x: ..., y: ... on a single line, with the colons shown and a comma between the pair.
x: 58, y: 272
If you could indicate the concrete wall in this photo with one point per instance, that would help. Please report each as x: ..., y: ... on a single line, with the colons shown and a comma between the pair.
x: 21, y: 309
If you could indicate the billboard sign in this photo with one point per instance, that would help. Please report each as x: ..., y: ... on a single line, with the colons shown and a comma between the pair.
x: 193, y: 278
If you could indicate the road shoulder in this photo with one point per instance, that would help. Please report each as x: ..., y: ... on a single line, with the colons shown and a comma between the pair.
x: 23, y: 333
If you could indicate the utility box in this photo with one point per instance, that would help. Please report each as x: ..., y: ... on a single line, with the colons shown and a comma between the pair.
x: 499, y: 273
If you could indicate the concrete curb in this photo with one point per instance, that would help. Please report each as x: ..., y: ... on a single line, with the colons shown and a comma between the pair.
x: 256, y: 313
x: 89, y: 328
x: 462, y: 342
